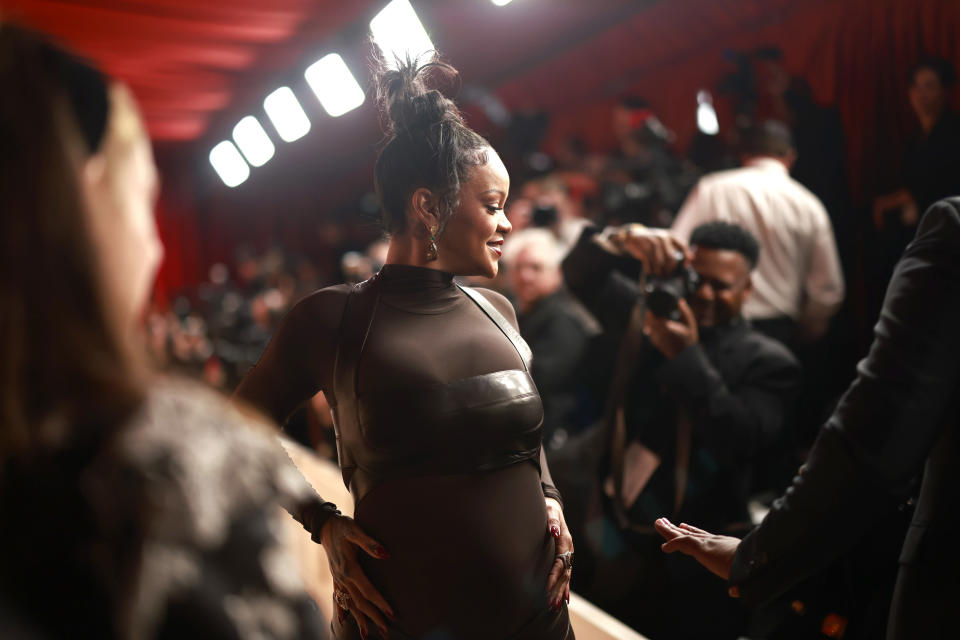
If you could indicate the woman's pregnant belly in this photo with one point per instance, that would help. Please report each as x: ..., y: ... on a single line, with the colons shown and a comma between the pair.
x: 469, y: 554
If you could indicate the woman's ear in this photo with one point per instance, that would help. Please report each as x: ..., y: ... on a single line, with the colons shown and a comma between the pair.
x: 423, y: 209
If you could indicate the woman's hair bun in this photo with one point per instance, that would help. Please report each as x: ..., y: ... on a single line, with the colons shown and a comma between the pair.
x: 427, y: 143
x: 411, y: 95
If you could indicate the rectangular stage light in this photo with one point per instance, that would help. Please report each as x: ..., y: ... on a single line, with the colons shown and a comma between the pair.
x: 253, y: 141
x: 501, y: 3
x: 286, y: 114
x: 336, y: 88
x: 398, y: 32
x: 229, y: 164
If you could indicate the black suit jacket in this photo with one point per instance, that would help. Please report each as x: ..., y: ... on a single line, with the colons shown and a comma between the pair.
x: 899, y: 416
x: 736, y: 385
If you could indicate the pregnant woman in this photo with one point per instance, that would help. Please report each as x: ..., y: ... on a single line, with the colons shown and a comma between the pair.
x: 438, y: 420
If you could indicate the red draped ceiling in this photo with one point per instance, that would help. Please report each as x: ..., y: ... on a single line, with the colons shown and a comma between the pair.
x: 856, y: 55
x: 196, y: 67
x: 186, y: 60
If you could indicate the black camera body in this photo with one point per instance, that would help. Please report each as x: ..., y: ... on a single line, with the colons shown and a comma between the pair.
x: 664, y: 293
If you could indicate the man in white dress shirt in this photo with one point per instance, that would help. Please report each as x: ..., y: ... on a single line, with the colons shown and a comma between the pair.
x: 798, y: 284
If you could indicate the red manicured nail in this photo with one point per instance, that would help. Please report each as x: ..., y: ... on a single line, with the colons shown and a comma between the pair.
x: 555, y: 531
x: 380, y: 552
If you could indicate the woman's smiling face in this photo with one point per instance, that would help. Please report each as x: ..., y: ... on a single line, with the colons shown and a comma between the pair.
x: 472, y: 242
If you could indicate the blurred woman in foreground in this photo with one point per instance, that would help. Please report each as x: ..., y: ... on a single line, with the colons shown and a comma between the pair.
x: 131, y: 506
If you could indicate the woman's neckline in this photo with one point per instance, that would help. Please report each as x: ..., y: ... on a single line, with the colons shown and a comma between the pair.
x: 398, y: 272
x: 417, y: 289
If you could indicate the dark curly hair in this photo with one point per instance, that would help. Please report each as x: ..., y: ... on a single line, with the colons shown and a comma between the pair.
x: 726, y: 236
x: 427, y: 143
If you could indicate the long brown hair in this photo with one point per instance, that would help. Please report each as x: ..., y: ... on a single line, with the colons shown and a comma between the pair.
x: 65, y: 376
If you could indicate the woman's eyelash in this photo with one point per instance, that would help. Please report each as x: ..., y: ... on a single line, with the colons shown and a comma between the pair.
x: 494, y: 208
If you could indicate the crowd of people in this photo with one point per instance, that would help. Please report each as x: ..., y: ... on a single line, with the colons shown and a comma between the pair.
x: 613, y: 342
x: 786, y: 285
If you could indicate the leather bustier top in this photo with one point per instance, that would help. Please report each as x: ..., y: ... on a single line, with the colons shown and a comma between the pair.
x: 472, y: 424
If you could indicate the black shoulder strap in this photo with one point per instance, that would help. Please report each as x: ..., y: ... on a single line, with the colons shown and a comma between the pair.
x: 504, y: 325
x: 354, y: 327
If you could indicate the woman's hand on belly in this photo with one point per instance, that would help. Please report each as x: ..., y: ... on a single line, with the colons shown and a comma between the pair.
x: 558, y: 584
x: 343, y: 539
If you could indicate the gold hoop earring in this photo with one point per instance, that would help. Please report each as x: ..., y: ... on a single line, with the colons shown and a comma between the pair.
x: 432, y: 252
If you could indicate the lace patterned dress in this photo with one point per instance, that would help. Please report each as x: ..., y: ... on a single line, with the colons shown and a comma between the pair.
x: 169, y: 529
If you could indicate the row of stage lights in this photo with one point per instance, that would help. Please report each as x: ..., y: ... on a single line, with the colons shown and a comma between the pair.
x: 396, y: 30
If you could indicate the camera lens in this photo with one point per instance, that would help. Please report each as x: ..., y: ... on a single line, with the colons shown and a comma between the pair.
x: 662, y: 302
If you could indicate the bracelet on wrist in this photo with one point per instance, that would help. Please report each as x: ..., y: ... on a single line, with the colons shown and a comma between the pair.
x: 320, y: 513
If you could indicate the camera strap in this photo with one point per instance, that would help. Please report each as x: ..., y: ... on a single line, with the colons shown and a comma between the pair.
x: 627, y: 359
x: 622, y: 452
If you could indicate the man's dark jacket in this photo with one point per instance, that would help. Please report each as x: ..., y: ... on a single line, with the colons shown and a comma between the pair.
x: 558, y: 339
x: 736, y: 385
x: 899, y: 417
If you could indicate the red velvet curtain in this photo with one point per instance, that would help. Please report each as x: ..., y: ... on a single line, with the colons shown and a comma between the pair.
x: 855, y: 54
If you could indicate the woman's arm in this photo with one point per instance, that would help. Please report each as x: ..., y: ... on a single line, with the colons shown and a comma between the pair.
x: 546, y: 481
x: 291, y: 370
x: 298, y: 362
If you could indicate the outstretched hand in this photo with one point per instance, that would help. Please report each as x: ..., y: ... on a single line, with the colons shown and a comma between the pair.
x: 713, y: 551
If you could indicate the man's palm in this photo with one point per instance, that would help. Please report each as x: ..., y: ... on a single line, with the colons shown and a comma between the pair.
x: 712, y: 551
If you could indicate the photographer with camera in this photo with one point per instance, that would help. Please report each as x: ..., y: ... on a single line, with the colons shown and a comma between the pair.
x: 696, y: 396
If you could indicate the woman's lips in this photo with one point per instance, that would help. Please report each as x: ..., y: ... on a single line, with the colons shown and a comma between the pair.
x: 496, y: 246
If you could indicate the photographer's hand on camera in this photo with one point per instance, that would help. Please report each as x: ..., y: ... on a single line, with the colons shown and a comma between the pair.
x: 659, y: 250
x: 672, y: 337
